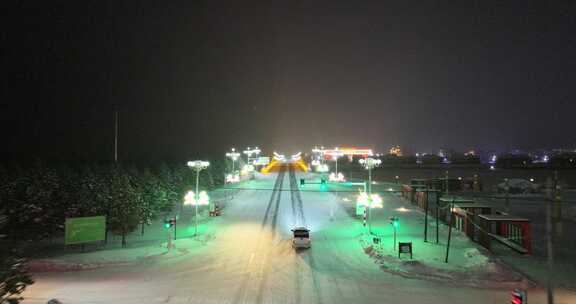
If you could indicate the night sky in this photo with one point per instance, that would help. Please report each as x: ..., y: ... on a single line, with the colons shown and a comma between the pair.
x: 197, y: 77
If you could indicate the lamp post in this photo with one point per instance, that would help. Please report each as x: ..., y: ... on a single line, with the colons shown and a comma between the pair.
x: 233, y: 155
x: 370, y: 163
x: 369, y: 202
x: 249, y: 152
x: 335, y: 156
x: 197, y: 165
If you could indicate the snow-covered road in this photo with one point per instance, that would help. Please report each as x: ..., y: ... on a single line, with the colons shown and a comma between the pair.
x: 248, y: 258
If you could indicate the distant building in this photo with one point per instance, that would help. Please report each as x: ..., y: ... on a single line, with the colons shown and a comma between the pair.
x: 396, y: 150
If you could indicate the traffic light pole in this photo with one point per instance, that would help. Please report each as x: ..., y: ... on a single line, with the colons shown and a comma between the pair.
x: 169, y: 240
x: 550, y: 249
x: 394, y: 237
x: 449, y: 231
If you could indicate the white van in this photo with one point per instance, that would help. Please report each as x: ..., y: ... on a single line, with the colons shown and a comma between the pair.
x: 301, y: 238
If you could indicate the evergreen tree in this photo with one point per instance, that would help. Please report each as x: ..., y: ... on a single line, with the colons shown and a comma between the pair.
x: 13, y: 276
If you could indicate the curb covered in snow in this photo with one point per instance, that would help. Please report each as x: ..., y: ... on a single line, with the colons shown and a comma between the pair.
x: 47, y: 265
x: 501, y: 276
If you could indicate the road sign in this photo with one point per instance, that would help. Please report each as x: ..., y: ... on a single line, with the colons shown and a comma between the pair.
x: 360, y: 209
x: 262, y: 161
x: 80, y: 230
x: 405, y: 248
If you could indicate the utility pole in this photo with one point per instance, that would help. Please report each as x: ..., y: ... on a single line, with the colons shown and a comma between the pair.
x: 550, y: 251
x: 115, y: 135
x: 507, y: 195
x: 557, y: 208
x: 446, y: 184
x: 437, y: 216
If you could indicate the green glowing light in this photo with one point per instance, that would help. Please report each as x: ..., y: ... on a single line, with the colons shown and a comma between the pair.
x: 323, y: 185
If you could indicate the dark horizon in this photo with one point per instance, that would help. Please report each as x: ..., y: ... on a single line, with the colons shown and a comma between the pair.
x: 196, y: 78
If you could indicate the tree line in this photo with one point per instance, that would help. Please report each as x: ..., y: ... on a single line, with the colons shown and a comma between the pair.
x: 37, y: 199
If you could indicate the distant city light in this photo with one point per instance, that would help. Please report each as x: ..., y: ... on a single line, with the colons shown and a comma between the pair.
x: 198, y: 164
x: 322, y: 168
x: 247, y: 169
x: 493, y: 159
x: 372, y: 201
x: 279, y: 157
x: 233, y: 154
x: 190, y: 199
x: 232, y: 178
x: 370, y: 162
x: 297, y: 156
x: 333, y: 177
x: 396, y: 150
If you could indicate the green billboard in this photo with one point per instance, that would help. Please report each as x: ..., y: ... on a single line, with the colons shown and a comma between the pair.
x: 85, y: 229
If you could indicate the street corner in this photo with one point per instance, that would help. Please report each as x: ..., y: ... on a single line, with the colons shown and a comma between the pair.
x: 469, y: 267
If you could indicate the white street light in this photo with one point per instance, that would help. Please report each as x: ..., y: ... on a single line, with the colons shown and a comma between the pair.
x: 336, y: 178
x: 233, y: 155
x: 335, y: 154
x: 370, y: 163
x: 249, y: 152
x: 191, y: 200
x: 197, y: 165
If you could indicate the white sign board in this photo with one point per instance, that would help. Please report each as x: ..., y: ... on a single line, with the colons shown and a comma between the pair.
x: 262, y: 161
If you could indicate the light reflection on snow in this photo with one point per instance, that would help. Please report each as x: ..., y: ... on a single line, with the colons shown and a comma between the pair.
x: 402, y: 209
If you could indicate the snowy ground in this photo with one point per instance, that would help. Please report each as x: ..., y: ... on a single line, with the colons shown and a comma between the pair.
x: 245, y: 256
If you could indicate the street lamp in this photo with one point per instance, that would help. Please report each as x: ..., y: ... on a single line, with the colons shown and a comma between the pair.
x: 233, y: 155
x: 369, y: 202
x: 249, y: 152
x: 370, y: 163
x: 197, y: 165
x: 335, y: 155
